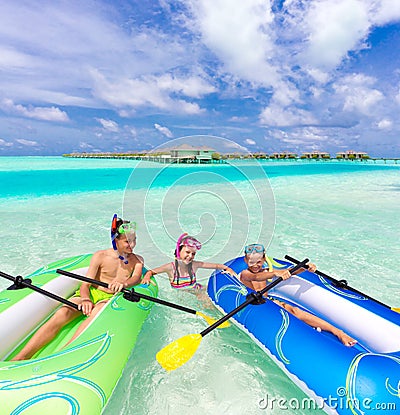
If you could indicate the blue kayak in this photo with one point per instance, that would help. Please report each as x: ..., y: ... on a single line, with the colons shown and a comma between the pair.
x: 358, y: 380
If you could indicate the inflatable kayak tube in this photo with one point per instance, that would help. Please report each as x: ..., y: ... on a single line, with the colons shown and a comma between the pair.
x: 77, y: 379
x: 358, y: 380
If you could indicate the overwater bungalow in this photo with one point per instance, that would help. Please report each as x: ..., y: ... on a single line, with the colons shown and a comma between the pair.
x: 260, y: 155
x: 185, y: 151
x: 283, y: 155
x: 186, y: 154
x: 316, y: 155
x: 351, y: 155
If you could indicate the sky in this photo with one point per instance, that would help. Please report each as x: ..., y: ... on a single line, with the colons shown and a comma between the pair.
x: 293, y: 75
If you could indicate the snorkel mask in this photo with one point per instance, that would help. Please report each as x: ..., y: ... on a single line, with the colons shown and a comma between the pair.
x: 125, y: 228
x: 259, y: 248
x: 254, y: 250
x: 186, y: 240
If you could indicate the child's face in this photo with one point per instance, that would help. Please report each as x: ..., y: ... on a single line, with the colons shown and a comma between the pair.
x: 255, y: 261
x: 187, y: 254
x: 126, y: 245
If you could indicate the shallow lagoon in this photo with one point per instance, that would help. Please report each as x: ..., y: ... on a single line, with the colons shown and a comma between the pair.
x: 343, y: 216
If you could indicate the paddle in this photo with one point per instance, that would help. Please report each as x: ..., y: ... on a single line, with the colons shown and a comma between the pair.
x: 343, y: 284
x: 180, y: 351
x: 134, y: 296
x: 19, y: 282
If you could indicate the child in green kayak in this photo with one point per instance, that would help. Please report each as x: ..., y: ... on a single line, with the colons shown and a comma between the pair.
x: 256, y: 276
x: 118, y: 266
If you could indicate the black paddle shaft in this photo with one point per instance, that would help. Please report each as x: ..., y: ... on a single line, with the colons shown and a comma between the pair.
x: 340, y: 284
x: 130, y: 295
x: 20, y: 281
x: 252, y: 299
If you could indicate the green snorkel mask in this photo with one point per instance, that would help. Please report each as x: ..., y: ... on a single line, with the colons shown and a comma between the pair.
x: 125, y: 228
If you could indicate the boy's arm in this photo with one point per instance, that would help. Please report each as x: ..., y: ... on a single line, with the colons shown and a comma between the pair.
x: 92, y: 273
x: 134, y: 279
x: 117, y: 285
x: 310, y: 267
x: 86, y: 305
x: 264, y: 275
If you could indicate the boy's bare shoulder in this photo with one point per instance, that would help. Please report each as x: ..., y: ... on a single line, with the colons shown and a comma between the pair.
x: 139, y: 258
x: 102, y: 252
x: 245, y: 274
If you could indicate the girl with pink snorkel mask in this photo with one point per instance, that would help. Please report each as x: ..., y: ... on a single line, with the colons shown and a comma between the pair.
x: 182, y: 271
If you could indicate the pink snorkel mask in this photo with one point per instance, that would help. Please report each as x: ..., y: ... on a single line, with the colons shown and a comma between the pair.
x: 186, y: 240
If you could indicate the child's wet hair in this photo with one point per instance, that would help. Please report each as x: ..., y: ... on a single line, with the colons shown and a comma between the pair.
x: 186, y: 240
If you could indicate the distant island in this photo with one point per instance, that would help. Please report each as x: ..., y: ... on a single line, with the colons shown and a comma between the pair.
x: 190, y: 154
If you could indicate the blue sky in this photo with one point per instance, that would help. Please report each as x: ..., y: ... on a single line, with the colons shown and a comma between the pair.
x: 289, y: 75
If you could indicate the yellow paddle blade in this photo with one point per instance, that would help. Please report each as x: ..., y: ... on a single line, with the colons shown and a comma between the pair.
x: 178, y: 352
x: 211, y: 320
x: 396, y: 309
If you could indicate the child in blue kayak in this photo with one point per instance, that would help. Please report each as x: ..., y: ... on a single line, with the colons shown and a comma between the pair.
x: 182, y: 271
x: 256, y: 275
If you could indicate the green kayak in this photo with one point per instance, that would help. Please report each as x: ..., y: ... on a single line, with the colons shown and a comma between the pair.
x: 77, y: 379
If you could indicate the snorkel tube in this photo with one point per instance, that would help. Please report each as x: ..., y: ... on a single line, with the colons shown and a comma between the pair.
x: 114, y: 231
x: 269, y: 262
x: 178, y: 244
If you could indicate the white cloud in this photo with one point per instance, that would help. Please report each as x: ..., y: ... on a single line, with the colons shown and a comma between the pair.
x: 238, y: 32
x: 304, y: 138
x: 334, y: 28
x: 318, y: 75
x: 278, y: 116
x: 250, y: 141
x: 11, y: 58
x: 151, y: 91
x: 133, y: 132
x: 56, y: 69
x: 397, y: 98
x: 85, y: 146
x: 232, y: 145
x: 385, y: 124
x: 323, y: 32
x: 286, y: 61
x: 286, y: 93
x: 108, y: 125
x: 357, y: 93
x: 384, y: 11
x: 38, y: 113
x: 4, y: 143
x: 238, y: 119
x: 28, y: 143
x: 164, y: 130
x: 194, y: 87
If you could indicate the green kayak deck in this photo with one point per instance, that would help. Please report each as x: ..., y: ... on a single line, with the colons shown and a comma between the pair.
x: 77, y: 379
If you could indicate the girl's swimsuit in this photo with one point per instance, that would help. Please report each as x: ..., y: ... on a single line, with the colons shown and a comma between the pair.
x: 184, y: 281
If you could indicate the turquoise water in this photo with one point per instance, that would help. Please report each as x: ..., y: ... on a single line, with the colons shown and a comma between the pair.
x: 38, y: 176
x: 343, y: 216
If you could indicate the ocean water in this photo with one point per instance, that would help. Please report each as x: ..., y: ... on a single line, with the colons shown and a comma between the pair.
x: 344, y: 216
